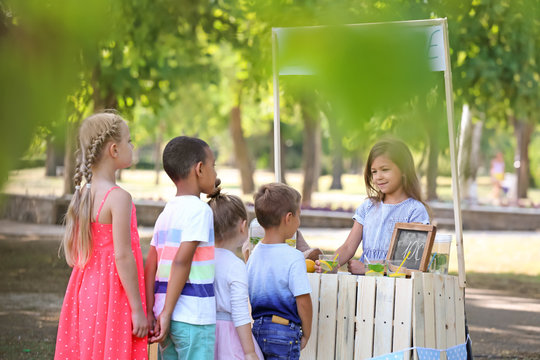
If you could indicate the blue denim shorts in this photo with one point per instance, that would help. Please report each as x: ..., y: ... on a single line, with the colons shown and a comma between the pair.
x: 277, y: 341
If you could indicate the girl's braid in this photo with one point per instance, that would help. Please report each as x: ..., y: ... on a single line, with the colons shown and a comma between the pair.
x: 77, y: 178
x: 93, y: 151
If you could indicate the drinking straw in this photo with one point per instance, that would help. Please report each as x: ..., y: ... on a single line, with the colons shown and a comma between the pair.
x: 432, y: 258
x: 334, y: 259
x: 400, y: 265
x: 365, y: 257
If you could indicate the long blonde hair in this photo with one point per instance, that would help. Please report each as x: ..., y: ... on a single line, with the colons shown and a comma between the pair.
x: 94, y: 132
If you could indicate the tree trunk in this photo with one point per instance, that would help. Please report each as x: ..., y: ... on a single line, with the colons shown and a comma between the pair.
x: 55, y: 149
x: 310, y: 156
x: 475, y: 159
x: 523, y: 131
x: 337, y: 155
x: 69, y: 158
x: 243, y: 161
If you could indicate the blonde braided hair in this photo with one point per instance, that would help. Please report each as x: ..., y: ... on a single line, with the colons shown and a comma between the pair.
x: 94, y: 133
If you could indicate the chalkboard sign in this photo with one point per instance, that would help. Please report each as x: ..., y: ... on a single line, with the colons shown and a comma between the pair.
x: 416, y: 238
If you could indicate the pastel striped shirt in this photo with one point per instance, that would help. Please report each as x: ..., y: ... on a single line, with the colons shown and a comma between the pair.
x: 186, y: 218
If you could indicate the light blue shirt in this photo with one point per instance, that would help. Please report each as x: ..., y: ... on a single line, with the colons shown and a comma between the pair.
x: 378, y: 220
x: 276, y: 276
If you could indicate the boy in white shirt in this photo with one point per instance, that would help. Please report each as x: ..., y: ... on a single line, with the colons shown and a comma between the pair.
x: 179, y: 271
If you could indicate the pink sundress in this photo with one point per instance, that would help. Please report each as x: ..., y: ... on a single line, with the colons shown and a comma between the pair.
x: 95, y: 321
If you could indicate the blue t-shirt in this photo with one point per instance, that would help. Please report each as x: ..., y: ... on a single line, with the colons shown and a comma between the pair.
x: 276, y: 276
x: 378, y: 220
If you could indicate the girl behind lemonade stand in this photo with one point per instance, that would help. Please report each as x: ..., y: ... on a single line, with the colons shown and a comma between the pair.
x: 393, y: 196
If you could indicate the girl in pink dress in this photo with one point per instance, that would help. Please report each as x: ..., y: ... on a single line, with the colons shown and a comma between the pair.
x: 234, y: 339
x: 103, y: 315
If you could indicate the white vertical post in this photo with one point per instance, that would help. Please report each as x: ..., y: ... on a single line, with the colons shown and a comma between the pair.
x: 453, y: 159
x: 277, y: 130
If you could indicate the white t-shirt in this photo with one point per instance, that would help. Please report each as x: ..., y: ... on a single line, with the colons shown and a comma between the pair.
x: 186, y: 218
x: 231, y: 287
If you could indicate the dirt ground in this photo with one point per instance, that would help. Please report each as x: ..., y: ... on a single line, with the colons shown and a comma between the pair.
x: 34, y: 279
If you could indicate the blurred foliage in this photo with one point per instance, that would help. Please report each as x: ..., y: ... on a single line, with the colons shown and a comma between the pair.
x: 41, y: 45
x: 178, y: 67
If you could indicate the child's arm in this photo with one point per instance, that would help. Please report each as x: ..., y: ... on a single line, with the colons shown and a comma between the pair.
x: 349, y: 247
x: 246, y: 340
x: 150, y: 269
x: 305, y: 311
x: 121, y: 204
x: 180, y: 269
x: 238, y: 286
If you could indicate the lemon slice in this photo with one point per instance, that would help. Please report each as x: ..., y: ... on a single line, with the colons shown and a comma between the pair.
x: 397, y: 275
x: 370, y: 271
x: 325, y: 265
x: 291, y: 242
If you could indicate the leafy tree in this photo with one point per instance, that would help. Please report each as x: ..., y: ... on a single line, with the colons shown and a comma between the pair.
x: 495, y: 61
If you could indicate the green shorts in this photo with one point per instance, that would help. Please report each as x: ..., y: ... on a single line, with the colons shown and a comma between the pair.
x: 188, y: 341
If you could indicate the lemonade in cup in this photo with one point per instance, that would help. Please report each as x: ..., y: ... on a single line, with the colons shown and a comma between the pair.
x: 292, y: 241
x: 375, y: 267
x: 329, y: 263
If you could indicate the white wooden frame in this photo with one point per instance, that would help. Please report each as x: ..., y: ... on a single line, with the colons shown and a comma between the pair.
x: 449, y: 115
x: 359, y: 317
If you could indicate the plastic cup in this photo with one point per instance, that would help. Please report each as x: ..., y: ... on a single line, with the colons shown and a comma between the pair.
x: 256, y: 233
x: 440, y: 254
x: 292, y: 241
x: 393, y: 269
x: 375, y: 268
x: 329, y: 263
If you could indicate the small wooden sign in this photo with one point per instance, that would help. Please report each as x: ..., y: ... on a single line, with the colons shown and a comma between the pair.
x: 416, y: 238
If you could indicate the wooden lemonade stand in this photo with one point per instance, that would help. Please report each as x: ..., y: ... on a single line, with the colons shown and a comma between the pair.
x: 360, y: 317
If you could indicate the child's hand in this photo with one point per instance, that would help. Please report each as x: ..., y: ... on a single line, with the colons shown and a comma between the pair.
x: 140, y: 325
x: 303, y: 342
x: 151, y: 321
x: 161, y: 328
x: 356, y: 267
x: 318, y: 267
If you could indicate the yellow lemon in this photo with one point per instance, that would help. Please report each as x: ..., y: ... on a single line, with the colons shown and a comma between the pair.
x: 310, y: 266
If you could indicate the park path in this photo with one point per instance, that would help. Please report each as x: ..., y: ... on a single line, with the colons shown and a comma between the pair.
x: 502, y: 326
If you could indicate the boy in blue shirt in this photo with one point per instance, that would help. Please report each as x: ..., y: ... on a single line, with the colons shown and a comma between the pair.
x: 279, y: 288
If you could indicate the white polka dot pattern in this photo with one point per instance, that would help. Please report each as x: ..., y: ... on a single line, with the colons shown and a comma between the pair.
x: 95, y: 321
